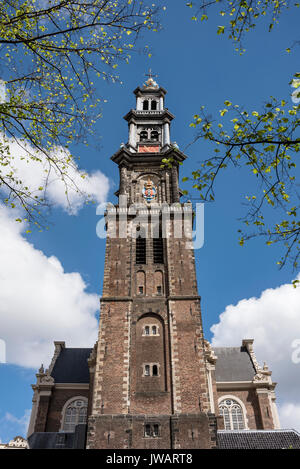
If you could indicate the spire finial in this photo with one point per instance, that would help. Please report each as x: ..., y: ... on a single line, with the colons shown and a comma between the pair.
x: 150, y: 83
x: 150, y: 74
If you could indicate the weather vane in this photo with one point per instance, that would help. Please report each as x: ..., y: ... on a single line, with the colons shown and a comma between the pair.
x: 150, y: 75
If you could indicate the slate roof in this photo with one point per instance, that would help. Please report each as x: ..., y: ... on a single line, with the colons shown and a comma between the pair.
x: 233, y: 364
x: 258, y: 439
x: 71, y: 366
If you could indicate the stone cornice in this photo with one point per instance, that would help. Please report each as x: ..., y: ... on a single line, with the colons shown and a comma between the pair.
x: 72, y: 385
x: 116, y: 298
x: 264, y: 386
x: 134, y: 116
x: 184, y: 298
x: 125, y: 156
x: 166, y: 298
x: 158, y: 91
x: 225, y: 385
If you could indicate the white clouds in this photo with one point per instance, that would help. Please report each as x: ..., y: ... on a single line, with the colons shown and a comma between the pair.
x: 290, y: 416
x: 94, y: 185
x: 14, y: 426
x: 34, y: 174
x: 39, y: 302
x: 20, y: 425
x: 273, y: 320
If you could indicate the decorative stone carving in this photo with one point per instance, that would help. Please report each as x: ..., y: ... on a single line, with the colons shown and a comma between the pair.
x: 46, y: 379
x: 209, y: 353
x: 260, y: 377
x: 149, y: 191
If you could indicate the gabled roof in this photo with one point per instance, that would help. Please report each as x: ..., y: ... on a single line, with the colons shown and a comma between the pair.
x: 233, y: 364
x: 258, y: 439
x: 71, y: 366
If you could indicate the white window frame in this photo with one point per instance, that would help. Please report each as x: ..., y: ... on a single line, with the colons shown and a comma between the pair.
x: 65, y: 407
x: 240, y: 403
x: 150, y: 330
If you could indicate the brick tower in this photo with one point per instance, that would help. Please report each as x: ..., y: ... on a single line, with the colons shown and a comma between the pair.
x: 150, y: 385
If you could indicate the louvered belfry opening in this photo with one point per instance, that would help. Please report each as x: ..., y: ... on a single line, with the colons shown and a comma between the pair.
x: 158, y: 248
x: 140, y: 253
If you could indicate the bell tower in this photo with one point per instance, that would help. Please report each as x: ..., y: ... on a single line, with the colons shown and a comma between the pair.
x: 151, y: 386
x: 149, y: 123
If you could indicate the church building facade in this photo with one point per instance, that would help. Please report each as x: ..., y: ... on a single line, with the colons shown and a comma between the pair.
x: 151, y: 381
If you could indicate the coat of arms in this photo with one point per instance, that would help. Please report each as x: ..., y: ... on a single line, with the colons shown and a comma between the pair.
x: 149, y: 191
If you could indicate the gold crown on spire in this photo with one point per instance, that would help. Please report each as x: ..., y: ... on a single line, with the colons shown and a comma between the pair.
x: 150, y: 83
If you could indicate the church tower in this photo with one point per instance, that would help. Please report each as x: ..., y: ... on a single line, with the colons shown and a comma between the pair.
x: 151, y: 387
x: 152, y: 381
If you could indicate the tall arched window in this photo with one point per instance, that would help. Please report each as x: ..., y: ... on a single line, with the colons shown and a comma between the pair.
x: 74, y: 413
x: 153, y: 105
x: 158, y: 282
x: 145, y: 105
x: 141, y: 282
x: 233, y: 414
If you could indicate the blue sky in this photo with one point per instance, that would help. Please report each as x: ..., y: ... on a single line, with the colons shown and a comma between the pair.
x: 196, y: 67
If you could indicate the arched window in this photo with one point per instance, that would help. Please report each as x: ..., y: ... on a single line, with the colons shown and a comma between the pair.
x: 154, y: 135
x: 74, y: 414
x: 158, y: 282
x: 143, y: 135
x: 233, y: 414
x: 151, y: 430
x: 145, y: 105
x: 153, y: 105
x: 147, y: 432
x: 150, y: 329
x: 150, y: 369
x: 141, y: 282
